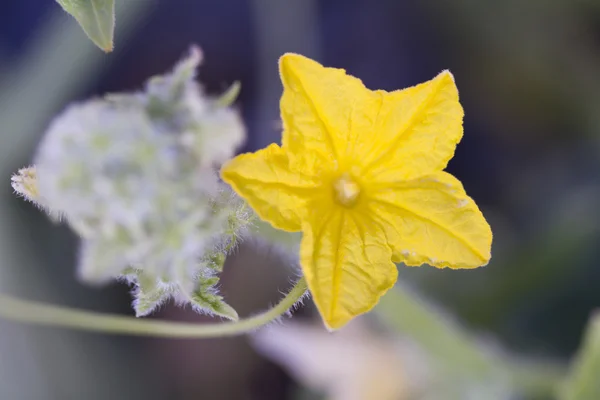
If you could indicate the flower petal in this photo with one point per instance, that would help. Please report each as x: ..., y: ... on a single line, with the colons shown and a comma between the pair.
x: 323, y: 110
x: 346, y: 262
x: 265, y: 181
x: 416, y: 132
x: 432, y: 220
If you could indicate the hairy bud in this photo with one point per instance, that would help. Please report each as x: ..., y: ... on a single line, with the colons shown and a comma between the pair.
x: 134, y: 175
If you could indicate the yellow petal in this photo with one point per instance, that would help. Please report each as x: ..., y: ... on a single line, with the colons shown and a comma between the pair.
x: 432, y: 220
x: 416, y: 132
x: 346, y: 262
x: 323, y: 111
x: 265, y: 181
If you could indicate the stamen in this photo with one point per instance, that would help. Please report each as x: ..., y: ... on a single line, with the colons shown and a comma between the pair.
x: 346, y: 190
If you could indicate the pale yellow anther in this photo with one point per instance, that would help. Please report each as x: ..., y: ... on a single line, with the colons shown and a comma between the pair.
x: 346, y: 190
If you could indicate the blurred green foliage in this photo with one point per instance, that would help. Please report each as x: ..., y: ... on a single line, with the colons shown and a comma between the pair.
x: 96, y: 17
x: 584, y: 381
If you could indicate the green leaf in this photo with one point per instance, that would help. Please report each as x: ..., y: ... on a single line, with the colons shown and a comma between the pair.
x: 96, y: 17
x: 583, y: 382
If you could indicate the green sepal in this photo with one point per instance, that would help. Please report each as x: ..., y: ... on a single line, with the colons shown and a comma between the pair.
x: 215, y: 261
x: 148, y: 294
x: 230, y: 95
x: 146, y: 301
x: 205, y: 299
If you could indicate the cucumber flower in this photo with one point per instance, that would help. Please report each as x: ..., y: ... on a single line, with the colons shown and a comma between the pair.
x: 360, y: 174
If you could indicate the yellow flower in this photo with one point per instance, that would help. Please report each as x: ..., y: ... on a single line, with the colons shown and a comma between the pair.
x: 360, y: 173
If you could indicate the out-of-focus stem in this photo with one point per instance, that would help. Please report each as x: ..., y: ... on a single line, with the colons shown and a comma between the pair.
x: 457, y: 352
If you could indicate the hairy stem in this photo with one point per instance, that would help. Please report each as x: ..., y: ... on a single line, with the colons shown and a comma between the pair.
x: 42, y: 314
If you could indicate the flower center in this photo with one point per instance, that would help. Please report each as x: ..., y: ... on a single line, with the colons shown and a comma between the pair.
x: 346, y: 190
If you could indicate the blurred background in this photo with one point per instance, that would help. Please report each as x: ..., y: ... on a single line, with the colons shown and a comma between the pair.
x: 529, y: 78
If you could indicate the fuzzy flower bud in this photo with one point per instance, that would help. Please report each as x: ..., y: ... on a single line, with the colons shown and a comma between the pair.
x: 134, y: 175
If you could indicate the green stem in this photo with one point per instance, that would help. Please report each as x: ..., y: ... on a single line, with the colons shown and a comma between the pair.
x: 48, y: 315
